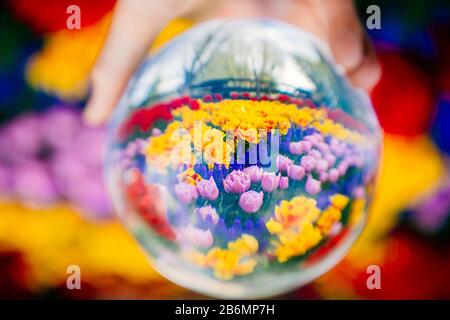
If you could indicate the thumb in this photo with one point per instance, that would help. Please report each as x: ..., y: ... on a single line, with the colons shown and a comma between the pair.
x: 135, y: 23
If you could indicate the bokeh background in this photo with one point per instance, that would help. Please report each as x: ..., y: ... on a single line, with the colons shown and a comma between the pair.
x: 54, y: 211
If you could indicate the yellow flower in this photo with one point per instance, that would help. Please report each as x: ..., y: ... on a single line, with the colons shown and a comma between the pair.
x: 237, y: 259
x: 300, y: 226
x: 293, y: 224
x: 356, y: 212
x: 189, y: 176
x: 63, y: 65
x: 245, y: 245
x: 328, y: 217
x: 339, y: 201
x: 206, y: 131
x: 329, y: 127
x: 293, y: 214
x: 292, y: 244
x: 53, y: 238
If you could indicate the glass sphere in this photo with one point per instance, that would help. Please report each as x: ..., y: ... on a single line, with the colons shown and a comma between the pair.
x: 241, y: 159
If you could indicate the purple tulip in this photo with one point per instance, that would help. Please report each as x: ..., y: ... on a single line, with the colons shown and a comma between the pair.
x: 284, y: 183
x: 283, y: 163
x: 254, y: 172
x: 337, y: 147
x: 296, y: 148
x: 306, y: 145
x: 193, y: 236
x: 330, y: 158
x: 237, y: 182
x: 312, y: 139
x: 343, y: 167
x: 60, y: 126
x: 312, y: 185
x: 296, y: 172
x: 24, y: 134
x: 309, y: 163
x: 359, y: 192
x: 33, y: 184
x: 67, y: 170
x: 88, y: 193
x: 357, y: 161
x: 5, y: 179
x: 269, y: 181
x: 208, y: 189
x: 89, y: 144
x: 322, y: 166
x: 156, y: 132
x: 251, y: 201
x: 209, y: 211
x: 333, y: 175
x: 323, y: 147
x: 315, y: 154
x: 186, y: 193
x: 319, y: 137
x: 323, y: 176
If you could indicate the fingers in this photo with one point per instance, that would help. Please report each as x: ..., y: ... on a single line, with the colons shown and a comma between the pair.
x: 368, y: 73
x: 336, y: 23
x: 350, y: 45
x: 135, y: 23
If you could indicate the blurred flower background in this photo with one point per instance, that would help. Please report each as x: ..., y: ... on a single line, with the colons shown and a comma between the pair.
x: 54, y: 211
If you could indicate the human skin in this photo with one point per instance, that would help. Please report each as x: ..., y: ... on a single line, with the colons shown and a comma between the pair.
x: 135, y: 24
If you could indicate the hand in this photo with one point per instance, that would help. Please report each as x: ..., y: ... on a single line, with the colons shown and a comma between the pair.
x: 136, y: 22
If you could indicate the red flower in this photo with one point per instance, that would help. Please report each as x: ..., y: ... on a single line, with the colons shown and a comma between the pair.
x: 144, y: 199
x: 51, y: 15
x: 144, y: 118
x: 404, y: 98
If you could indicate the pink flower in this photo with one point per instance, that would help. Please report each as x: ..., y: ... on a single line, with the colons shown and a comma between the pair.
x: 331, y: 159
x: 357, y: 161
x: 194, y: 236
x: 306, y: 145
x: 342, y: 168
x: 237, y: 182
x: 323, y: 147
x: 322, y: 166
x: 208, y: 189
x: 333, y: 175
x: 186, y: 193
x: 208, y: 211
x: 318, y: 137
x: 312, y: 185
x: 284, y: 183
x: 251, y: 201
x: 33, y: 183
x: 315, y: 154
x: 283, y: 163
x: 296, y: 172
x: 312, y: 139
x: 309, y: 163
x: 156, y: 132
x: 269, y: 181
x: 254, y: 172
x: 359, y: 192
x: 295, y: 148
x: 298, y: 148
x: 337, y: 147
x: 323, y: 176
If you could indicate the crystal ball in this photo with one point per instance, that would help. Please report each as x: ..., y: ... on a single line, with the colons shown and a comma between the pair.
x: 241, y: 159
